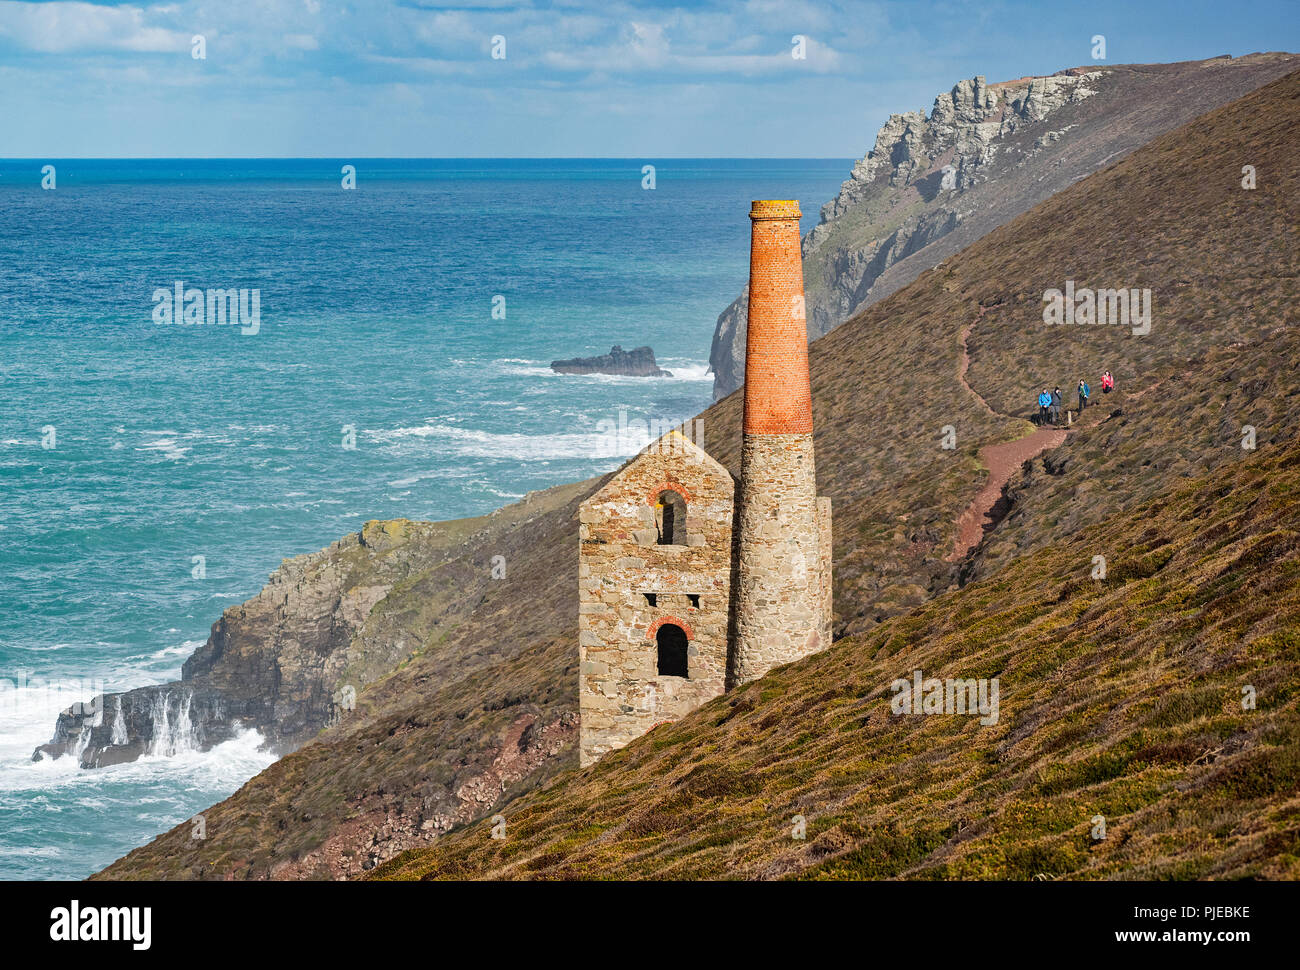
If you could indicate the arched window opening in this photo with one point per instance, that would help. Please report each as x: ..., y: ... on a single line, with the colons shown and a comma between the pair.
x: 671, y: 515
x: 672, y: 651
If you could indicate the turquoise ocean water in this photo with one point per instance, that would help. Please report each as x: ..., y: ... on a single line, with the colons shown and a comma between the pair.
x: 128, y: 448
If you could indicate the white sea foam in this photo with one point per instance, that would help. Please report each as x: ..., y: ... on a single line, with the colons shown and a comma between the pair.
x: 681, y: 369
x: 471, y: 443
x: 173, y: 731
x: 225, y: 767
x: 30, y: 704
x: 169, y: 446
x: 687, y: 370
x: 180, y: 650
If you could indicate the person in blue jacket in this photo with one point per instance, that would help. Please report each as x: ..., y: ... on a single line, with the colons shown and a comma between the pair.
x: 1044, y: 403
x: 1084, y: 392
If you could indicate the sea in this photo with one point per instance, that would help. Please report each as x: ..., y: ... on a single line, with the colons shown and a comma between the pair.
x: 157, y: 462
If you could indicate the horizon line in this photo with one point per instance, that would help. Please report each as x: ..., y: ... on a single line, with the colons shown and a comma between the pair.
x: 420, y: 158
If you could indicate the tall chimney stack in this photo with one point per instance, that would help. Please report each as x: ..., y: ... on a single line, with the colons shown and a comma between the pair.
x: 783, y: 588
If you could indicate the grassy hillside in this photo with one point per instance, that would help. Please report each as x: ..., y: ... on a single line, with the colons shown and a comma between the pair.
x: 1222, y: 263
x: 486, y: 709
x: 1120, y: 698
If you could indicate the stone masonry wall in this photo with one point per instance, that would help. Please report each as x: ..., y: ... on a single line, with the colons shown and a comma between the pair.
x: 783, y: 591
x: 621, y: 695
x: 826, y: 555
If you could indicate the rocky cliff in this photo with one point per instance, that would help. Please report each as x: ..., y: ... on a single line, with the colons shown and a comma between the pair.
x: 292, y: 660
x: 934, y: 184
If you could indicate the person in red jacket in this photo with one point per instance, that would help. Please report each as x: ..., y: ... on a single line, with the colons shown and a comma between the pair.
x: 1107, y: 383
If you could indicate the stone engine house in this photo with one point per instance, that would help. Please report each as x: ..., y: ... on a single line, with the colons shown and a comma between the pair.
x: 689, y: 582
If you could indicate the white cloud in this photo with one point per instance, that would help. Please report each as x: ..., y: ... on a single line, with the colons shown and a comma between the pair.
x: 55, y: 28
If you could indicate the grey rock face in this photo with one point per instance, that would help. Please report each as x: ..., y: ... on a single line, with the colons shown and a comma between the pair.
x: 278, y: 663
x: 164, y: 720
x: 934, y: 184
x: 938, y: 158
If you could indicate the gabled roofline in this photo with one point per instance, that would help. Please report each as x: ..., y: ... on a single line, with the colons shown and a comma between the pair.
x: 681, y: 447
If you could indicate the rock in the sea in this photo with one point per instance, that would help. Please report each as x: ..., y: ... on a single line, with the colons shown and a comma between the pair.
x: 639, y: 362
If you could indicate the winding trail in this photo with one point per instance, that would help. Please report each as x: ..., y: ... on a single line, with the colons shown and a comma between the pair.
x: 1003, y: 460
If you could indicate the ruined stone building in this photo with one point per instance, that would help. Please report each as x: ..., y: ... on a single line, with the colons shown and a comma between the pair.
x: 690, y: 582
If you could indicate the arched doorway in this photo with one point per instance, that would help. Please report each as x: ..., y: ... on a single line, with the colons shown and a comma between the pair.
x: 671, y: 640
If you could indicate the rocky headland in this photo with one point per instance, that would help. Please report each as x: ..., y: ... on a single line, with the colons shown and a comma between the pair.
x: 933, y: 184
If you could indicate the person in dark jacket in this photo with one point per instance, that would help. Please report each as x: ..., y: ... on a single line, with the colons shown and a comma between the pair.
x: 1056, y: 406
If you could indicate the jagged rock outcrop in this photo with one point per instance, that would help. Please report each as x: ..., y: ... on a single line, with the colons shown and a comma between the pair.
x: 287, y: 662
x: 932, y: 185
x: 116, y: 728
x: 638, y: 362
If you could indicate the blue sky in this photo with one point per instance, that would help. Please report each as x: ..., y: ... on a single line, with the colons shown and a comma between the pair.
x: 641, y: 79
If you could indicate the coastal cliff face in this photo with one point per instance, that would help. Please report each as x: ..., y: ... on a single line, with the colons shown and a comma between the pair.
x: 290, y: 661
x: 932, y: 185
x: 275, y: 663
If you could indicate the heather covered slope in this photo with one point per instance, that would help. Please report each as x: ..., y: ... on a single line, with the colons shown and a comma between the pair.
x: 1119, y: 698
x: 487, y: 712
x: 1222, y: 264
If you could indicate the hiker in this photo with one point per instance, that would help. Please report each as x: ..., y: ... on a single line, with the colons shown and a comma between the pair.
x: 1084, y: 392
x: 1056, y: 405
x: 1107, y: 383
x: 1044, y: 403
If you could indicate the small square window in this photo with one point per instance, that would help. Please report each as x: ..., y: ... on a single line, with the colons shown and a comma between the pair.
x: 652, y: 599
x: 695, y: 599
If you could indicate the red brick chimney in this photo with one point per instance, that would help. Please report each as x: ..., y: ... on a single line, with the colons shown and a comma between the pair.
x: 782, y: 594
x: 778, y: 399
